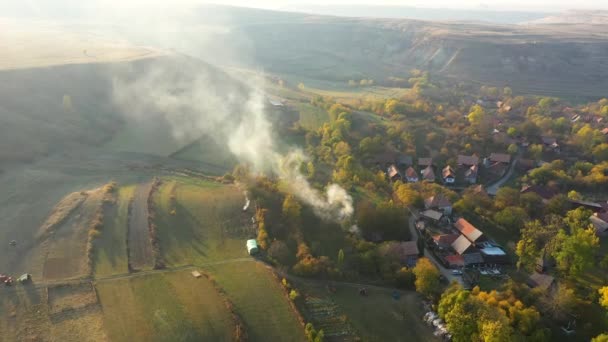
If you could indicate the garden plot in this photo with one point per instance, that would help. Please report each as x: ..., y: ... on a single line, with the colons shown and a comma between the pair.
x: 326, y: 315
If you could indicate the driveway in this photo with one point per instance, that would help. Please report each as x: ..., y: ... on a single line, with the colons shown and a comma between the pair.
x: 493, y: 189
x: 447, y: 273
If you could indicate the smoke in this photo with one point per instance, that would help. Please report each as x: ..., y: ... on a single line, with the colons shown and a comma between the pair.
x: 195, y: 99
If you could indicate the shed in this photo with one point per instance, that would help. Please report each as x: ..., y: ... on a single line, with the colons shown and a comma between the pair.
x: 252, y: 247
x: 196, y: 274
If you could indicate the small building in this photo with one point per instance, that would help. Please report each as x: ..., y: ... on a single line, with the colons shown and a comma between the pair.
x: 411, y: 175
x: 434, y: 216
x: 428, y: 174
x: 605, y: 131
x: 454, y: 261
x: 467, y: 160
x: 393, y: 173
x: 470, y: 175
x: 25, y: 278
x: 462, y: 245
x: 196, y: 274
x: 492, y: 253
x: 542, y: 281
x: 406, y: 252
x: 448, y: 175
x: 469, y: 231
x: 439, y: 202
x: 252, y: 247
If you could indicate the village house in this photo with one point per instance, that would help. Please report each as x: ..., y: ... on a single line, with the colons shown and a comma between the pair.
x: 499, y: 158
x: 600, y: 222
x: 444, y: 241
x: 440, y: 203
x: 411, y: 175
x: 434, y: 216
x: 467, y: 160
x: 448, y: 175
x: 465, y: 248
x: 550, y: 144
x: 428, y: 174
x: 393, y: 173
x: 469, y: 231
x: 470, y: 175
x: 406, y: 252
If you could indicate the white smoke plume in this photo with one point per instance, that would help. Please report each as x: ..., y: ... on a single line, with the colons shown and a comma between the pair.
x: 194, y: 102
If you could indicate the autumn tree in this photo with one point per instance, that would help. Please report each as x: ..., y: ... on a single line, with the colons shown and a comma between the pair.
x: 408, y: 196
x: 427, y: 277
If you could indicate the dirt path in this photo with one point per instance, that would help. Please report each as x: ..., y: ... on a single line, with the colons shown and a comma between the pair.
x: 139, y: 244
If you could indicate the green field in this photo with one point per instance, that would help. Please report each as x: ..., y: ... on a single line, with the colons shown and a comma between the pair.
x: 152, y: 138
x: 206, y: 225
x: 259, y: 299
x: 110, y: 252
x: 379, y: 317
x: 164, y: 307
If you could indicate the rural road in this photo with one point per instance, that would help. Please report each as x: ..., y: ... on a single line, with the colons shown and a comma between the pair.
x: 140, y: 246
x: 447, y: 273
x: 493, y: 189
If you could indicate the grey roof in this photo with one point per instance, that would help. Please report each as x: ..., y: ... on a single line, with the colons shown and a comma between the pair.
x: 404, y: 160
x: 461, y: 245
x: 437, y: 201
x: 472, y: 258
x: 467, y: 160
x: 432, y: 214
x: 428, y: 173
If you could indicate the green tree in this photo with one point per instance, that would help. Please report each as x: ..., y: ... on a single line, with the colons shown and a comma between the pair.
x: 427, y: 277
x: 536, y: 151
x: 575, y: 195
x: 512, y: 149
x: 407, y: 196
x: 293, y: 295
x: 575, y: 253
x: 600, y: 338
x: 604, y: 296
x: 511, y: 218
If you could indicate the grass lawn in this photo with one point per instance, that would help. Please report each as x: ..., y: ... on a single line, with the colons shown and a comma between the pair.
x: 148, y: 139
x: 207, y: 224
x: 111, y: 247
x: 259, y: 299
x: 379, y: 317
x: 164, y: 307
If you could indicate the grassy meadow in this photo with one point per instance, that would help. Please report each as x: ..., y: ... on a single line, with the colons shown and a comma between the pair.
x: 199, y: 221
x: 172, y: 306
x: 258, y: 298
x: 110, y: 250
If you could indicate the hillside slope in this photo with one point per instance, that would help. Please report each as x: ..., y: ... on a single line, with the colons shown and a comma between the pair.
x: 540, y: 59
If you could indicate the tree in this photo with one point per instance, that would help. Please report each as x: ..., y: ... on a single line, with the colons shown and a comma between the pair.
x: 600, y: 152
x: 512, y: 132
x: 507, y: 92
x: 512, y: 149
x: 280, y: 252
x: 562, y: 302
x: 600, y: 338
x: 536, y: 151
x: 575, y: 195
x: 575, y: 253
x: 506, y: 197
x: 586, y: 137
x: 427, y: 277
x: 407, y: 196
x: 512, y: 218
x: 604, y: 296
x: 291, y: 208
x: 293, y: 295
x: 340, y: 258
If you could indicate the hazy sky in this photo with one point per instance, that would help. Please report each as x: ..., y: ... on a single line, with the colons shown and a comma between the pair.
x: 546, y: 5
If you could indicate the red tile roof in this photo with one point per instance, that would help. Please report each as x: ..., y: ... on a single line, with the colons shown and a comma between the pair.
x: 437, y: 201
x: 468, y: 230
x: 411, y: 173
x: 448, y: 172
x: 455, y: 260
x: 445, y: 239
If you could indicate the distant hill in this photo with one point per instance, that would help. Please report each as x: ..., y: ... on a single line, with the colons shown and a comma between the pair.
x: 431, y: 14
x: 542, y: 59
x: 575, y: 17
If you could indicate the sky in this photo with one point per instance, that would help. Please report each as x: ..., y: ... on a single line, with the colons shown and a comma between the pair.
x: 544, y: 5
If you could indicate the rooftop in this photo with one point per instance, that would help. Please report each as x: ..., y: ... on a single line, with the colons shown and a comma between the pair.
x: 425, y: 161
x: 468, y: 230
x: 437, y: 201
x: 432, y: 214
x: 500, y: 157
x: 468, y: 160
x: 461, y: 244
x: 540, y: 280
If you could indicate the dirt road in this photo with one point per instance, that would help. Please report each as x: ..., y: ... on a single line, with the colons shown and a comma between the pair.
x: 139, y: 244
